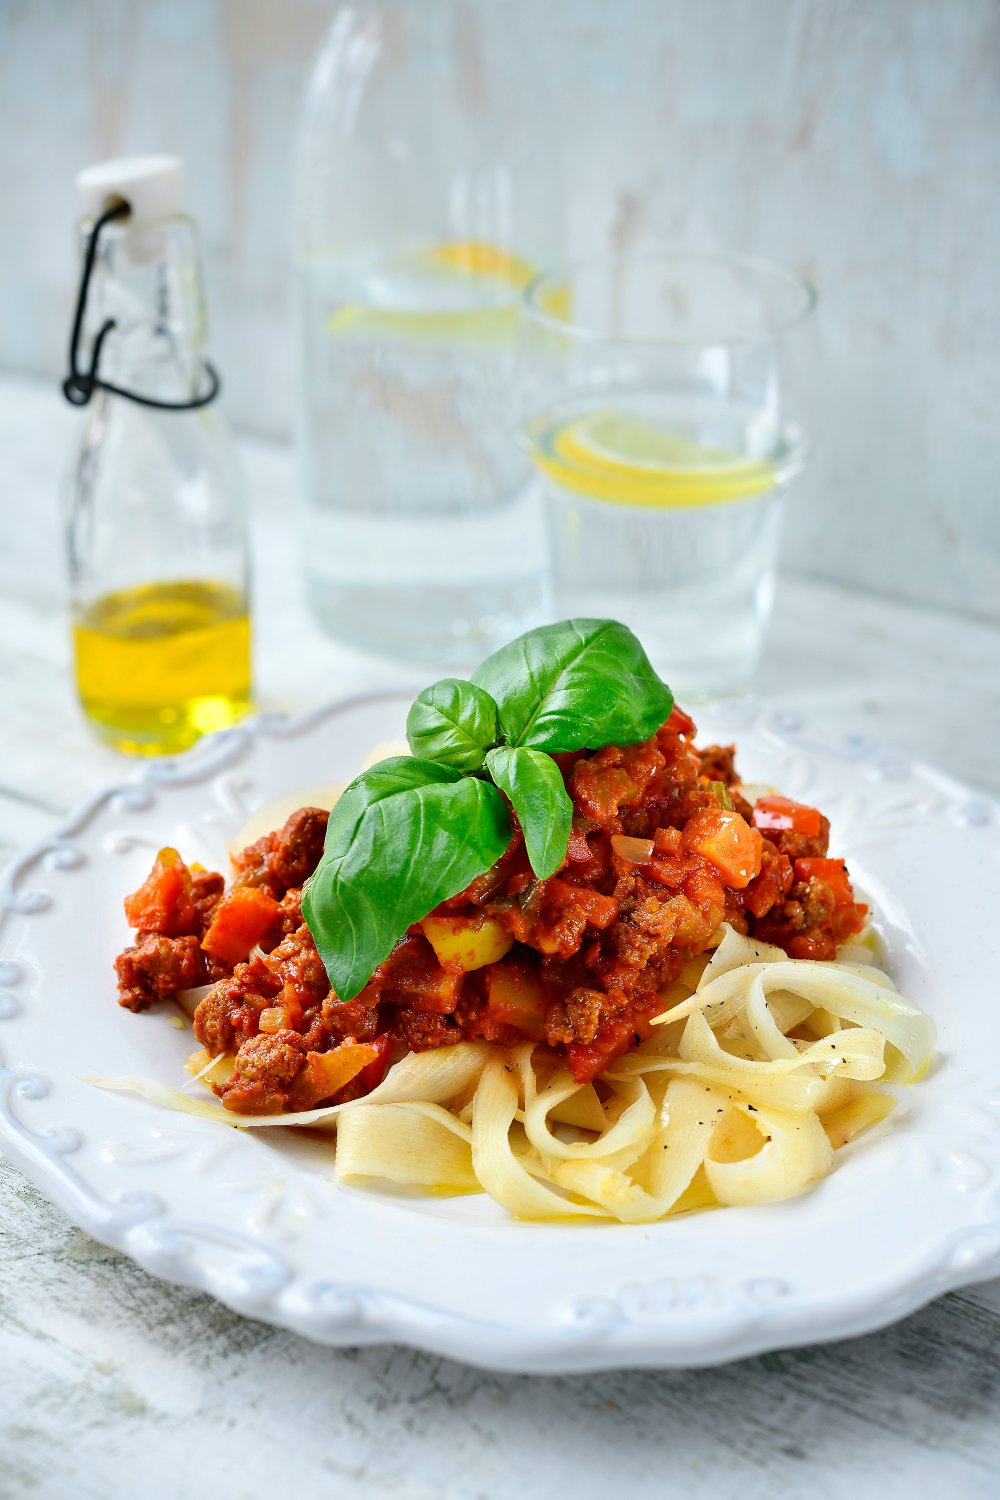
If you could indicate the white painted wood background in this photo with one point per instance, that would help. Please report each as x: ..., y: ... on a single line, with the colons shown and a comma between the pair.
x: 857, y: 141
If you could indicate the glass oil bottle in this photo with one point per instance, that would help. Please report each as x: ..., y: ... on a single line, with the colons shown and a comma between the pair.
x: 155, y: 524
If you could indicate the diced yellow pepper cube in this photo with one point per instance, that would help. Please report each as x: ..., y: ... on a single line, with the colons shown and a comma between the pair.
x: 464, y: 943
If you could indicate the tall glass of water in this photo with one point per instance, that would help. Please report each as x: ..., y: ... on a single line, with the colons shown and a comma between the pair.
x: 666, y: 418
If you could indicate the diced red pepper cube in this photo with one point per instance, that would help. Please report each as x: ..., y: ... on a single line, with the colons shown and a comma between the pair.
x: 728, y: 842
x: 832, y: 872
x: 599, y: 910
x: 776, y: 814
x: 243, y: 916
x: 372, y: 1073
x: 163, y: 903
x: 680, y: 723
x: 578, y: 849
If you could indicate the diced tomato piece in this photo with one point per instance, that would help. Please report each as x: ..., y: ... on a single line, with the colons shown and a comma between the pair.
x: 163, y: 902
x: 680, y: 723
x: 373, y: 1072
x: 480, y: 889
x: 832, y: 872
x: 516, y: 998
x: 771, y: 885
x: 413, y: 976
x: 579, y: 849
x: 326, y: 1073
x: 778, y: 813
x: 587, y: 1059
x: 243, y: 916
x: 667, y: 840
x: 671, y: 870
x: 600, y: 790
x: 600, y: 911
x: 728, y: 842
x: 817, y: 947
x: 642, y: 762
x: 847, y: 921
x: 706, y: 889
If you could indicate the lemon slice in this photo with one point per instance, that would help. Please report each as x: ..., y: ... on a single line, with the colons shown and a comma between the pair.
x: 480, y: 258
x: 464, y: 290
x: 612, y: 455
x: 615, y: 440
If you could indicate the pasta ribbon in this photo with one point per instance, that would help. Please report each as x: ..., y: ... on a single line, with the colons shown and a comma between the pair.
x: 760, y: 1067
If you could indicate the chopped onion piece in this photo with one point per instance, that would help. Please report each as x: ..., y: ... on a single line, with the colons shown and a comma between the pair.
x: 633, y: 851
x: 188, y: 1000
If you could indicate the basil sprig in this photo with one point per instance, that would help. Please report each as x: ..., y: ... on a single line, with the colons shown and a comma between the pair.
x: 577, y: 685
x: 533, y: 784
x: 405, y: 835
x: 410, y: 833
x: 454, y: 723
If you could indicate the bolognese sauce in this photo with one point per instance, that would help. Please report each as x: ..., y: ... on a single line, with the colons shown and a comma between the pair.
x: 665, y: 847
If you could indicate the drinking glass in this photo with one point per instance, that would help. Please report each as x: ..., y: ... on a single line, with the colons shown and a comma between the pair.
x: 666, y: 416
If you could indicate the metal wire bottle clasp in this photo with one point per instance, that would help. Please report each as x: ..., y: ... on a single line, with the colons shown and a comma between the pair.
x: 80, y: 385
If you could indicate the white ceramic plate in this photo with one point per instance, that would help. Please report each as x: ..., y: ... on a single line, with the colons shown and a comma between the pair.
x: 257, y: 1219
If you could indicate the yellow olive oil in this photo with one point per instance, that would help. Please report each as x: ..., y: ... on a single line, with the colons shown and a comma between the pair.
x: 159, y: 665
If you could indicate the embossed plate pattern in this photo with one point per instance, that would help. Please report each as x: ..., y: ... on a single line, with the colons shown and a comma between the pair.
x: 257, y: 1219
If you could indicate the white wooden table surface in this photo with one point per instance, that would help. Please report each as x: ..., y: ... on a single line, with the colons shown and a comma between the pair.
x: 115, y: 1384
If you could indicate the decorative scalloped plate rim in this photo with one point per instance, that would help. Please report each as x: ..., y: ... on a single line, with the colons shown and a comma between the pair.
x: 911, y: 1211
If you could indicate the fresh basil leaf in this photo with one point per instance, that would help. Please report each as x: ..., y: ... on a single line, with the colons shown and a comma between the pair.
x: 576, y: 685
x: 405, y: 835
x: 538, y: 795
x: 454, y: 723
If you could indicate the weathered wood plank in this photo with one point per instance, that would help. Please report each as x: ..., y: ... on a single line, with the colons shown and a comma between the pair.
x: 158, y: 1391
